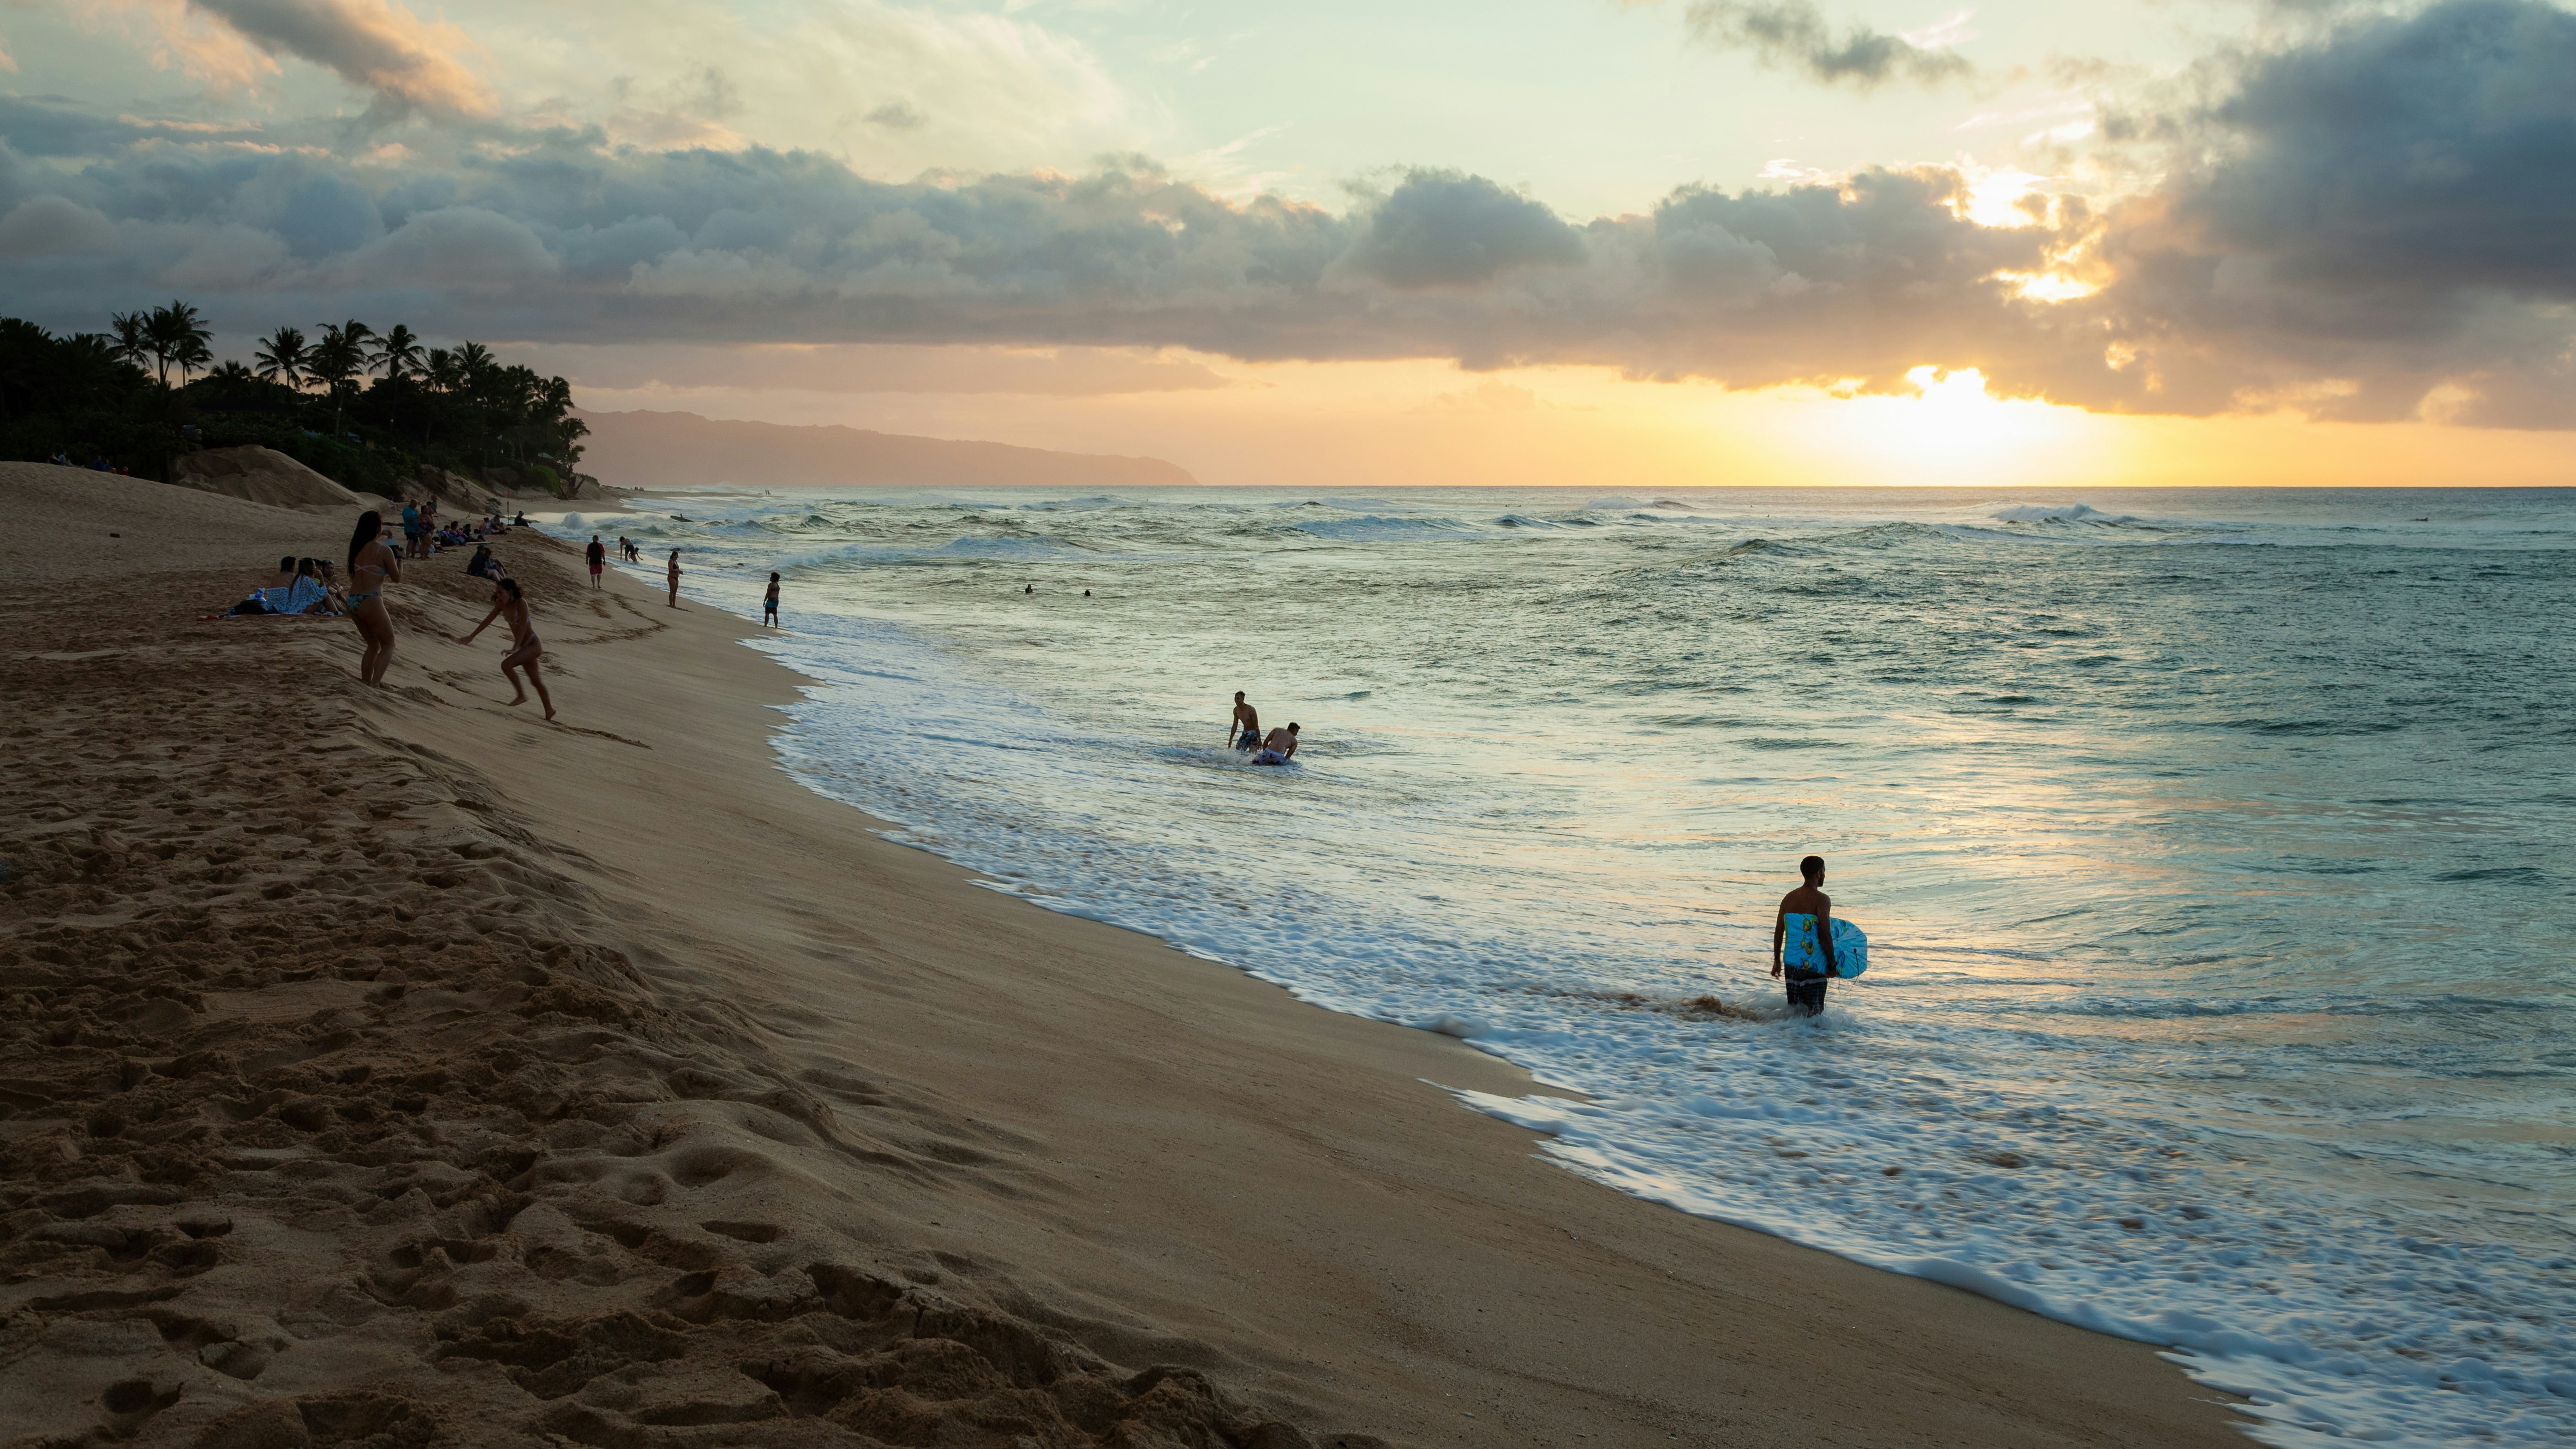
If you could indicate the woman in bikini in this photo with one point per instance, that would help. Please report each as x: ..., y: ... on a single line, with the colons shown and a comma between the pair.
x: 524, y: 648
x: 675, y: 578
x: 371, y: 567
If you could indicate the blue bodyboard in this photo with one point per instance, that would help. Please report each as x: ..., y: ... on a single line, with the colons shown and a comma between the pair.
x: 1801, y: 953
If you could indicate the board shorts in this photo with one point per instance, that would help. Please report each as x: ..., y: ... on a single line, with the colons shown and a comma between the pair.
x: 1251, y: 740
x: 1270, y: 757
x: 1806, y: 994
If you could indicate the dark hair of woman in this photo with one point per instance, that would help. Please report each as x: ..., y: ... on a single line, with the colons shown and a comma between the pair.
x: 370, y: 523
x: 512, y: 585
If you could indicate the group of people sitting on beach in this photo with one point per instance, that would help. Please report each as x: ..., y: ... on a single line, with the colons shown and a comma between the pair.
x: 1276, y: 748
x: 302, y: 586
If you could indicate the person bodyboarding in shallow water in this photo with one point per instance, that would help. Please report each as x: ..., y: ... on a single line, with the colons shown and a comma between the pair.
x: 1245, y: 728
x: 1808, y: 911
x: 524, y: 648
x: 1280, y: 748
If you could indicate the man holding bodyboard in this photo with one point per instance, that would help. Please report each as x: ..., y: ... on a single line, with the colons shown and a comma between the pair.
x: 1804, y: 938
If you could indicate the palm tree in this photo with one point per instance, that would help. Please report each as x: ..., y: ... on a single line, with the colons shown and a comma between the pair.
x: 397, y: 352
x: 177, y: 337
x: 439, y: 370
x: 133, y: 335
x: 230, y: 370
x: 282, y: 355
x: 335, y: 360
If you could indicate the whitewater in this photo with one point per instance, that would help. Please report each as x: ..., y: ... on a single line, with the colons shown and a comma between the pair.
x: 2212, y: 846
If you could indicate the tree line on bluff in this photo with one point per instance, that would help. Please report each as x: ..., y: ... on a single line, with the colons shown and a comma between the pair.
x: 362, y: 407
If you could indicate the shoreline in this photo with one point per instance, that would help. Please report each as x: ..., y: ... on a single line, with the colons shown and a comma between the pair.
x: 1147, y: 1157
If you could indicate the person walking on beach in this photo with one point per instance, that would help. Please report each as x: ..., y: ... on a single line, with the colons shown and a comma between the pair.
x: 598, y: 559
x: 675, y: 578
x: 769, y: 604
x: 371, y: 567
x: 1245, y: 730
x: 1809, y: 912
x: 524, y: 648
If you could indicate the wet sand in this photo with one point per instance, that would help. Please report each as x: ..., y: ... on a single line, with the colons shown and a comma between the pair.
x: 393, y: 1067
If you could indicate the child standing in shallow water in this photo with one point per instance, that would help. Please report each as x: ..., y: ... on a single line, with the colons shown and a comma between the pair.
x: 769, y: 603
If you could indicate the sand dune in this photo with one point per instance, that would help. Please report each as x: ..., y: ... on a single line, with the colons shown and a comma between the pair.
x: 390, y: 1067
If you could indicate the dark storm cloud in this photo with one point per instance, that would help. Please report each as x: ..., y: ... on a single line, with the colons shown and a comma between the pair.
x: 2377, y: 221
x: 1795, y: 36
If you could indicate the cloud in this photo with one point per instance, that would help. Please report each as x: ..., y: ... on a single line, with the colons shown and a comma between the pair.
x: 1794, y: 35
x: 2374, y: 220
x: 2392, y: 205
x: 1448, y: 229
x: 897, y: 115
x: 866, y: 368
x: 407, y: 63
x: 45, y: 226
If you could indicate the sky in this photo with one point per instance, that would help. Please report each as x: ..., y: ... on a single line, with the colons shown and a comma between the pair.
x: 1583, y: 242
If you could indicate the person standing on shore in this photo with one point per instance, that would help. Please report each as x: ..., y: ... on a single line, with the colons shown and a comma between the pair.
x: 1245, y: 730
x: 372, y: 566
x: 598, y: 553
x: 1806, y: 914
x: 675, y: 578
x: 769, y: 604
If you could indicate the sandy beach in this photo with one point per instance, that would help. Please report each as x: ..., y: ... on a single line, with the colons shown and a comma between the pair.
x: 393, y: 1067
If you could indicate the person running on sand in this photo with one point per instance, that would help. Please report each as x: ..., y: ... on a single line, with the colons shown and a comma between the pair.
x: 372, y: 566
x: 1245, y: 730
x: 1806, y: 990
x: 675, y: 578
x: 598, y: 553
x: 1280, y: 748
x: 769, y: 602
x: 524, y: 648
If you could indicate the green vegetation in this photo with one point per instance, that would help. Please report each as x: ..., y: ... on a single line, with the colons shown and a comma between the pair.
x: 364, y: 408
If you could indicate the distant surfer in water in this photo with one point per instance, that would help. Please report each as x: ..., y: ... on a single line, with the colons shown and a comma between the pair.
x: 1280, y: 748
x: 1806, y: 987
x: 1245, y: 731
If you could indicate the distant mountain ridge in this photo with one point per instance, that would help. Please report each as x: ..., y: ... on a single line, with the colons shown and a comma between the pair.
x: 684, y: 450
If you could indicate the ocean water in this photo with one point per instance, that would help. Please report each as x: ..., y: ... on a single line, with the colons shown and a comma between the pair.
x: 2213, y: 846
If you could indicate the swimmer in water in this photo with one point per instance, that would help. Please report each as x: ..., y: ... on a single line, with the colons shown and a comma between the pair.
x: 1245, y: 728
x: 1280, y: 748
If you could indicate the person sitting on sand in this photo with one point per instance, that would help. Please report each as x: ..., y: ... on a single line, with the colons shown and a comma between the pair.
x: 372, y: 566
x: 285, y: 573
x: 769, y: 603
x: 482, y: 565
x: 333, y: 601
x: 597, y: 553
x: 524, y: 648
x: 521, y: 521
x: 675, y: 578
x: 1245, y: 728
x: 1808, y: 911
x: 1280, y: 748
